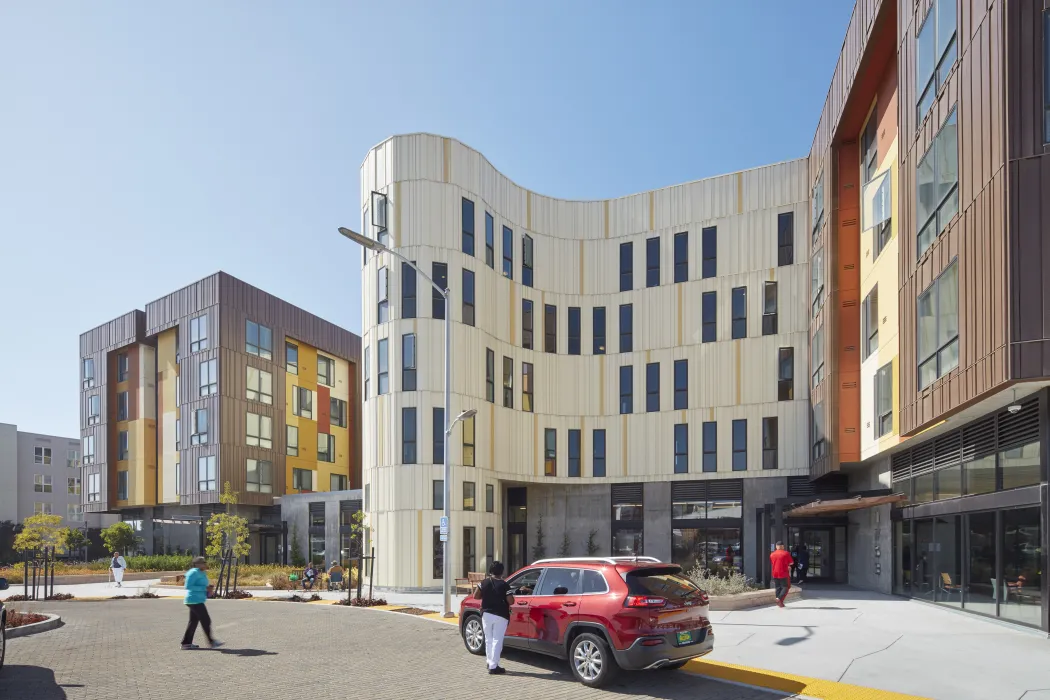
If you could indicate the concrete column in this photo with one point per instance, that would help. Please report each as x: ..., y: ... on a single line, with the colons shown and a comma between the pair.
x: 656, y: 537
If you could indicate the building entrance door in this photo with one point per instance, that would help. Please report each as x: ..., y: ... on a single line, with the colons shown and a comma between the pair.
x: 820, y: 543
x: 517, y: 527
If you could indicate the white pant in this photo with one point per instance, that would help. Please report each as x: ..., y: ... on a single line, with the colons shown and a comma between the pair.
x: 118, y: 575
x: 495, y: 628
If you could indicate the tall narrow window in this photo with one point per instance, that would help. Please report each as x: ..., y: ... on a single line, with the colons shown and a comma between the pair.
x: 526, y: 387
x: 869, y: 147
x: 627, y: 389
x: 468, y: 226
x: 770, y: 440
x: 574, y: 330
x: 259, y: 476
x: 490, y: 375
x: 408, y: 362
x: 508, y: 253
x: 209, y: 377
x: 439, y: 273
x: 817, y: 356
x: 89, y: 450
x: 508, y: 382
x: 291, y: 358
x: 1046, y: 76
x: 937, y: 184
x: 599, y: 330
x: 437, y: 455
x: 366, y: 370
x: 468, y: 297
x: 199, y: 333
x: 122, y: 367
x: 384, y: 367
x: 710, y: 446
x: 598, y: 464
x: 526, y: 260
x: 94, y: 409
x: 681, y: 257
x: 325, y: 447
x: 938, y: 326
x: 122, y: 445
x: 409, y: 430
x: 469, y: 496
x: 817, y: 205
x: 769, y: 308
x: 122, y: 406
x: 681, y: 448
x: 820, y: 442
x: 550, y: 328
x: 468, y: 442
x: 490, y: 503
x: 490, y: 241
x: 709, y: 317
x: 652, y: 387
x: 626, y: 267
x: 408, y: 291
x: 884, y: 400
x: 652, y: 262
x: 338, y: 412
x: 302, y: 402
x: 739, y: 445
x: 709, y: 254
x: 785, y: 238
x: 739, y: 305
x: 817, y: 280
x: 935, y: 53
x: 258, y: 340
x: 259, y: 430
x: 626, y: 327
x: 291, y: 440
x: 527, y: 324
x: 550, y: 452
x: 383, y: 295
x: 785, y: 374
x: 681, y: 385
x: 325, y: 370
x: 574, y: 452
x: 207, y: 478
x: 89, y: 372
x: 122, y: 488
x: 870, y: 319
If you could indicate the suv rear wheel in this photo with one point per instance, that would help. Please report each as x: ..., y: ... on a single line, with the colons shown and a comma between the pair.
x: 591, y: 660
x: 474, y: 635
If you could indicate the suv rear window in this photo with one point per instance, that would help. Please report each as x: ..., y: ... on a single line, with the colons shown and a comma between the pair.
x: 666, y: 582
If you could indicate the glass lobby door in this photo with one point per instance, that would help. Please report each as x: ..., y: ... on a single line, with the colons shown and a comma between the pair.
x: 819, y: 543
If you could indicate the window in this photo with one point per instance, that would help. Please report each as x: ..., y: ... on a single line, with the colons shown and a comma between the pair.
x: 408, y: 362
x: 337, y: 482
x: 817, y: 205
x: 769, y: 308
x: 938, y: 327
x: 526, y: 323
x: 260, y: 431
x: 490, y: 375
x: 260, y: 385
x: 710, y: 446
x: 550, y: 452
x: 770, y: 442
x: 739, y: 308
x: 122, y: 445
x: 199, y: 333
x: 574, y: 452
x: 652, y: 387
x: 681, y: 448
x: 122, y: 406
x: 599, y: 330
x: 739, y: 445
x: 292, y: 440
x: 1046, y: 76
x: 42, y: 455
x: 94, y: 409
x: 337, y: 412
x: 574, y: 330
x: 438, y: 442
x: 383, y: 295
x: 302, y: 480
x: 409, y: 430
x: 468, y: 495
x: 869, y: 147
x: 122, y: 367
x: 508, y: 253
x: 935, y: 53
x: 258, y: 340
x: 437, y: 495
x: 468, y: 442
x: 785, y: 374
x: 366, y: 369
x: 209, y: 377
x: 207, y: 478
x: 626, y: 389
x: 42, y: 483
x: 884, y: 400
x: 199, y: 436
x: 550, y: 328
x: 681, y: 257
x: 45, y: 508
x: 870, y: 319
x: 681, y: 384
x: 384, y: 367
x: 408, y: 291
x: 877, y: 211
x: 937, y: 183
x: 709, y: 318
x: 526, y: 260
x: 438, y: 273
x: 325, y: 370
x: 490, y: 499
x: 626, y: 327
x: 325, y: 447
x: 72, y: 459
x: 89, y: 372
x: 74, y: 513
x: 508, y: 382
x: 291, y: 357
x: 817, y: 356
x: 817, y: 280
x: 820, y: 445
x: 526, y: 387
x: 89, y: 450
x: 94, y: 488
x: 302, y: 402
x: 122, y: 487
x: 598, y: 453
x: 709, y: 254
x: 626, y: 267
x: 785, y: 238
x: 490, y: 241
x: 652, y: 262
x: 468, y: 297
x: 468, y: 226
x: 260, y: 476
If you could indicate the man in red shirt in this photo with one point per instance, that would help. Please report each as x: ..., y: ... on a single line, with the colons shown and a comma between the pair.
x: 781, y: 561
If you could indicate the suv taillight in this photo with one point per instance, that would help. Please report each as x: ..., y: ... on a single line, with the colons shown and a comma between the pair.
x: 704, y: 599
x: 644, y: 601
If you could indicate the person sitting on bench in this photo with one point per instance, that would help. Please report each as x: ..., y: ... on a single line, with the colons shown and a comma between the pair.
x: 335, y: 576
x: 309, y: 577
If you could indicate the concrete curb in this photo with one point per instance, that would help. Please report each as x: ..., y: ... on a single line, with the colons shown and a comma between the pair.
x: 52, y: 622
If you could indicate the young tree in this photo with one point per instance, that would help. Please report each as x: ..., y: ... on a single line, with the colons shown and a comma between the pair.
x: 298, y: 560
x: 563, y: 551
x: 40, y: 531
x: 119, y: 537
x: 539, y: 550
x: 592, y: 543
x: 227, y: 538
x: 75, y: 540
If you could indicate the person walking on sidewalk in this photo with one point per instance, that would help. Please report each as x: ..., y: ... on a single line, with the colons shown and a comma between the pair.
x: 803, y: 562
x: 116, y: 566
x: 496, y: 600
x: 781, y: 560
x: 196, y: 594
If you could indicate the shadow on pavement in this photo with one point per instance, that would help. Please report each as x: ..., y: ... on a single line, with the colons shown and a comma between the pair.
x: 791, y: 641
x: 246, y: 652
x: 34, y: 682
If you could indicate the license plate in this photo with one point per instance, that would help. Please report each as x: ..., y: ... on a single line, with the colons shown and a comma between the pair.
x: 685, y: 637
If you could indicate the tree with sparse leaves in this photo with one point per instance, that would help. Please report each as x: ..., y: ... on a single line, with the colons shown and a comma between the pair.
x: 40, y: 531
x: 227, y: 538
x: 119, y: 537
x: 539, y: 550
x: 592, y: 543
x: 565, y: 548
x: 75, y: 540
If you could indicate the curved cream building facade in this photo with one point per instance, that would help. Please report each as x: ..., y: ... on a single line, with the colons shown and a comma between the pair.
x: 661, y: 477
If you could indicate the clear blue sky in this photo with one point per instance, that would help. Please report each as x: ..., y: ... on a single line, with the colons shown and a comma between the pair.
x: 235, y: 130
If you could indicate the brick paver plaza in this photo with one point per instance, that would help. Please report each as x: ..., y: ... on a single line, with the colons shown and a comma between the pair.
x: 287, y: 651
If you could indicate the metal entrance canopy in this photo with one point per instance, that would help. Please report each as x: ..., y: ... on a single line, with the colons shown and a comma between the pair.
x: 842, y: 505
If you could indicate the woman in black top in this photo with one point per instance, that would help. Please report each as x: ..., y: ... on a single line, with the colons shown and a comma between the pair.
x: 496, y: 600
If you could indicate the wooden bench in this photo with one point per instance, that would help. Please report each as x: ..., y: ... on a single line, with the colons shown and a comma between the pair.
x: 472, y: 581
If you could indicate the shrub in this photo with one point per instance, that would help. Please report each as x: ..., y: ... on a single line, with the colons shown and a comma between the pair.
x: 728, y: 583
x: 362, y: 602
x: 19, y: 619
x: 296, y: 598
x: 281, y: 582
x: 60, y: 596
x: 238, y: 594
x: 147, y: 594
x: 15, y: 598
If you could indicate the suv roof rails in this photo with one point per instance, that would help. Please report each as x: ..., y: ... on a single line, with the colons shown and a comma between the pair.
x: 603, y: 560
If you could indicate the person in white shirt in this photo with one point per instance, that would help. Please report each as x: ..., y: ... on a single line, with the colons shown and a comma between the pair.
x: 117, y: 565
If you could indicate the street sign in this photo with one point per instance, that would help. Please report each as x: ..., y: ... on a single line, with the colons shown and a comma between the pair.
x: 444, y: 522
x: 443, y: 537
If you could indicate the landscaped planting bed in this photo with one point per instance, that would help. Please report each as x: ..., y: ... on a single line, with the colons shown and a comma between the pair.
x: 21, y: 619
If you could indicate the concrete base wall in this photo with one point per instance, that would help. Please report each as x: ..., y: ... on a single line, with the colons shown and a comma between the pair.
x: 757, y: 493
x: 870, y: 533
x: 295, y: 510
x: 575, y: 511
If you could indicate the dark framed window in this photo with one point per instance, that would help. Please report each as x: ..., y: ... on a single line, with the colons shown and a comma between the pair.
x: 325, y: 447
x: 207, y: 478
x: 626, y: 389
x: 508, y: 253
x: 681, y: 385
x: 437, y: 499
x: 785, y: 374
x: 508, y: 382
x: 769, y: 308
x: 291, y: 358
x: 709, y: 253
x: 439, y: 273
x: 383, y: 357
x: 325, y: 370
x: 490, y: 375
x: 785, y: 238
x: 652, y: 387
x: 681, y: 448
x: 652, y: 262
x: 935, y: 53
x: 574, y: 452
x: 550, y: 328
x: 408, y: 362
x: 199, y: 436
x: 598, y: 452
x: 526, y: 260
x: 681, y: 257
x: 258, y: 341
x: 526, y: 387
x: 770, y: 442
x: 816, y: 285
x: 817, y: 204
x: 122, y: 486
x: 1046, y: 76
x: 438, y: 440
x: 209, y: 377
x: 820, y: 443
x: 870, y: 320
x: 739, y: 308
x: 626, y: 327
x: 938, y: 326
x: 94, y: 408
x: 199, y: 333
x: 291, y: 440
x: 383, y: 295
x: 122, y: 445
x: 869, y: 147
x: 884, y: 400
x: 550, y: 452
x: 469, y: 497
x: 527, y: 323
x: 468, y: 226
x: 302, y: 479
x: 628, y: 520
x: 468, y: 442
x: 490, y: 502
x: 710, y: 447
x: 259, y: 432
x: 122, y: 365
x: 408, y: 291
x: 409, y: 435
x: 302, y: 402
x: 817, y: 356
x: 740, y: 445
x: 599, y: 330
x: 574, y: 330
x: 122, y: 406
x: 937, y: 184
x: 709, y: 317
x: 89, y: 372
x: 626, y: 267
x: 468, y: 297
x: 438, y: 553
x: 490, y: 241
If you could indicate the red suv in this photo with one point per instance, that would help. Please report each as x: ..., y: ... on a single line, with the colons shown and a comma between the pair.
x: 602, y: 614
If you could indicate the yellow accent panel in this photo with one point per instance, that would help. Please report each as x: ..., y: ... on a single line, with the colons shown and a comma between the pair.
x: 447, y: 160
x: 168, y: 414
x: 772, y: 274
x: 648, y: 356
x: 740, y: 193
x: 141, y: 464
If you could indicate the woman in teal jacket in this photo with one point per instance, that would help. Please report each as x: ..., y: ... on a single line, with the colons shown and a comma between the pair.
x: 196, y: 593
